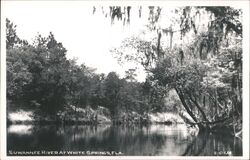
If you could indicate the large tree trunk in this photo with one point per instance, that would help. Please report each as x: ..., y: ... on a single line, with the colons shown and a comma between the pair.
x: 199, y: 108
x: 186, y: 106
x: 203, y: 123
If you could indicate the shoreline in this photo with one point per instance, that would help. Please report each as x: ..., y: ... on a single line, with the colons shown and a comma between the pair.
x: 71, y: 122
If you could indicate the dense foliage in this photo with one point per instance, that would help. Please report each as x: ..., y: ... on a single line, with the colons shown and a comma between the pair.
x: 195, y: 61
x: 40, y: 78
x: 199, y: 56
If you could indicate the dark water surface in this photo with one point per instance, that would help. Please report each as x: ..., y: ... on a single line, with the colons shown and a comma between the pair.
x: 155, y: 140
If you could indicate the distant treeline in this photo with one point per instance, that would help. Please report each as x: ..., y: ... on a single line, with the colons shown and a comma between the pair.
x: 40, y: 78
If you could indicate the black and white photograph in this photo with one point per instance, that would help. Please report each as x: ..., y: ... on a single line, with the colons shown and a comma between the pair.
x: 83, y: 79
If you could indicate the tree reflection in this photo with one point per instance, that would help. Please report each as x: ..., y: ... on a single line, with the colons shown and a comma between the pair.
x: 155, y: 140
x: 214, y: 144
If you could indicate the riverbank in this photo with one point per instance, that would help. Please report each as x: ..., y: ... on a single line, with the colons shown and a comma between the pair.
x: 100, y: 115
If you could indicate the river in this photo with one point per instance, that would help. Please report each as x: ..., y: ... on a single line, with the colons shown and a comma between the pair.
x: 153, y: 140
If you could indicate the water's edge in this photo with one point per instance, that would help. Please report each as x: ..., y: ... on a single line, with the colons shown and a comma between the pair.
x: 135, y: 140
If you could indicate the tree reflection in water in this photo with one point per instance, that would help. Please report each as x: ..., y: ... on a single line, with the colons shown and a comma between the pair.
x: 207, y: 144
x: 155, y: 140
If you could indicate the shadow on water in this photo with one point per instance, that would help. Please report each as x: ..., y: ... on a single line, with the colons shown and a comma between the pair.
x: 156, y: 140
x: 207, y: 144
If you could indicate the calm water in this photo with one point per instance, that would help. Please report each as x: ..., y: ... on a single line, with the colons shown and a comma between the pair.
x: 155, y: 140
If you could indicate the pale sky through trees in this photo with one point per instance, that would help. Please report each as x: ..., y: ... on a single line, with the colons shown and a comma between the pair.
x: 86, y: 37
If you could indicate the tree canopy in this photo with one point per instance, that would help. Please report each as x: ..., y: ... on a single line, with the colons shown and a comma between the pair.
x: 192, y: 54
x: 42, y: 79
x: 199, y: 56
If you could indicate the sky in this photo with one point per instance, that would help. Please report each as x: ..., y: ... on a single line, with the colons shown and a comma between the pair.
x: 86, y: 37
